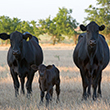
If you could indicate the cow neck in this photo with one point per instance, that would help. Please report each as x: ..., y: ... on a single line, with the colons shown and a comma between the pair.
x: 91, y: 52
x: 23, y: 53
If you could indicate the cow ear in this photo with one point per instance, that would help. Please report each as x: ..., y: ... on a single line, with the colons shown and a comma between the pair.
x: 49, y: 66
x: 4, y: 36
x: 101, y: 28
x: 27, y: 35
x: 82, y: 27
x: 34, y: 67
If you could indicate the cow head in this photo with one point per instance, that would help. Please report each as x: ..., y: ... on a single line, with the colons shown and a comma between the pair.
x: 92, y: 34
x: 16, y: 40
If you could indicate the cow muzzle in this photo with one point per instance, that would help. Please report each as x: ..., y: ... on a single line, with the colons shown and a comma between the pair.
x: 41, y: 74
x: 16, y: 52
x: 92, y: 43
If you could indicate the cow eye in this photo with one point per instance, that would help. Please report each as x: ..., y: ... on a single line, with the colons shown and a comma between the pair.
x: 87, y: 31
x: 97, y: 31
x: 21, y: 41
x: 11, y: 41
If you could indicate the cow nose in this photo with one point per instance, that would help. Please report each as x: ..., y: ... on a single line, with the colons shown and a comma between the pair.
x: 41, y: 74
x: 92, y: 42
x: 15, y: 52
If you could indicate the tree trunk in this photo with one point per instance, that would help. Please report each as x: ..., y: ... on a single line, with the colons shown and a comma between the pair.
x: 54, y: 40
x: 6, y: 42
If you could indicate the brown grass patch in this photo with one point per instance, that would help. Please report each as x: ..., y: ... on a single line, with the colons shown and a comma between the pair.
x: 71, y: 85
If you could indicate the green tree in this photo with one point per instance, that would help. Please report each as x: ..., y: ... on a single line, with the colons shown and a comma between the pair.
x: 15, y: 25
x: 62, y: 24
x: 100, y: 14
x: 5, y: 26
x: 36, y: 31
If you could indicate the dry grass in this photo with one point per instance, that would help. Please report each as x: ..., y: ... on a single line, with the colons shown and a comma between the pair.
x: 71, y: 85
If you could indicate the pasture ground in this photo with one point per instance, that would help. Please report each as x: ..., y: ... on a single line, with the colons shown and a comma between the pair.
x: 71, y: 84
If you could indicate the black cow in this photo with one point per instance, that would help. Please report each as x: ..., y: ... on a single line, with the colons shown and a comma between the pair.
x: 21, y: 55
x: 48, y: 77
x: 91, y: 56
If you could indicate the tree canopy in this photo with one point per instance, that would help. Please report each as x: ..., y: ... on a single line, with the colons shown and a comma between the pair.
x: 62, y: 24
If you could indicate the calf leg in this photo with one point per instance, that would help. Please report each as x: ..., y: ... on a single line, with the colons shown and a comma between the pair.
x: 42, y: 96
x: 47, y: 98
x: 15, y: 81
x: 48, y: 95
x: 22, y: 85
x: 58, y: 91
x: 51, y: 94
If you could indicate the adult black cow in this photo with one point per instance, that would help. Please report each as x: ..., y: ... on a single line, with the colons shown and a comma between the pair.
x: 91, y: 56
x: 21, y: 55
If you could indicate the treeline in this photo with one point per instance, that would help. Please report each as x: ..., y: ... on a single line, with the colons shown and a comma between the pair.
x: 58, y: 27
x: 63, y: 24
x: 9, y: 25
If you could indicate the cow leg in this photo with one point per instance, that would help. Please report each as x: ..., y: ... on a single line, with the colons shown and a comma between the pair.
x: 99, y: 85
x: 58, y: 91
x: 84, y: 91
x: 84, y: 83
x: 95, y: 83
x: 89, y: 88
x: 22, y: 85
x: 15, y: 81
x: 30, y: 77
x: 94, y: 92
x: 94, y: 88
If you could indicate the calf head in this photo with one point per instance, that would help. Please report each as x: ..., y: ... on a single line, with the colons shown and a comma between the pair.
x: 16, y: 40
x: 92, y: 34
x: 42, y: 69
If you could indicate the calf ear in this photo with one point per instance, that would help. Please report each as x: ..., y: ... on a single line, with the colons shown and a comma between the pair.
x: 101, y: 28
x: 4, y: 36
x: 82, y: 27
x: 27, y: 35
x: 34, y: 67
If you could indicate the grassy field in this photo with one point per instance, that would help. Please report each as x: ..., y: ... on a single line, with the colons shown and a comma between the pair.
x: 71, y: 84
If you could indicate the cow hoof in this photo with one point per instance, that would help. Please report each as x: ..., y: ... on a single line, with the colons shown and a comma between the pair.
x: 40, y: 103
x: 88, y: 95
x: 29, y: 96
x: 57, y: 101
x: 84, y: 97
x: 22, y: 92
x: 16, y: 94
x: 94, y: 98
x: 47, y: 104
x: 99, y: 95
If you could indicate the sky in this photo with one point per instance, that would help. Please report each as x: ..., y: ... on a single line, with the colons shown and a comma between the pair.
x: 41, y: 9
